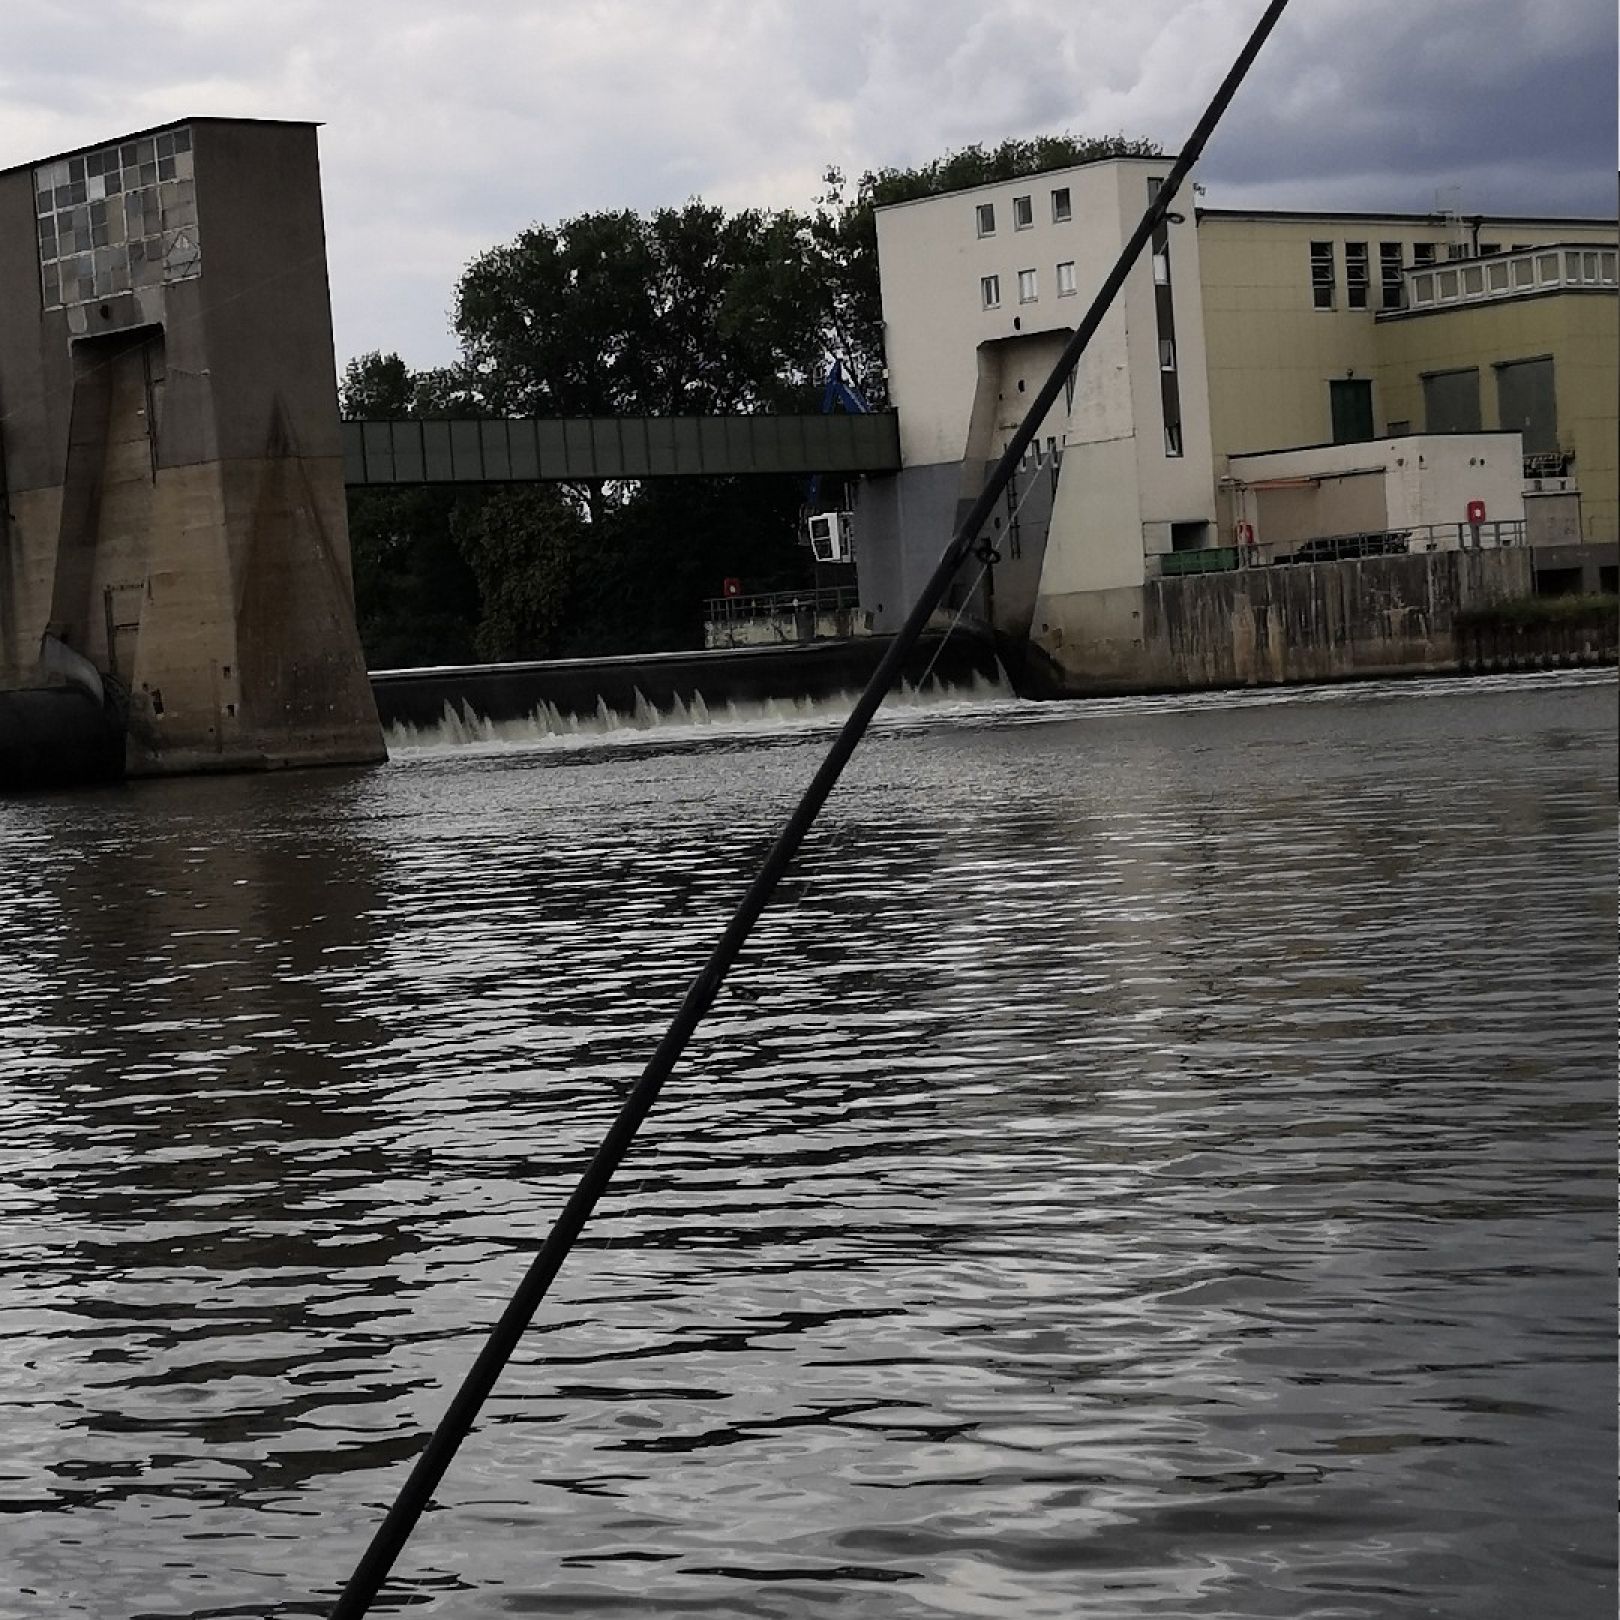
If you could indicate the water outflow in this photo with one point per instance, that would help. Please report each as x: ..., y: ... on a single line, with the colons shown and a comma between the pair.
x: 461, y: 726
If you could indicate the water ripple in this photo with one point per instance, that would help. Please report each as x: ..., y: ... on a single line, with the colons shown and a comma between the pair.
x: 1156, y: 1160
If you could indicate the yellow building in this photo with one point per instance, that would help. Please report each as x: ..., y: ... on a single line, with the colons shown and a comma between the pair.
x: 1336, y: 328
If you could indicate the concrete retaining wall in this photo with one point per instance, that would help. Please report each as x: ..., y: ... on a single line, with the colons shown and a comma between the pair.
x: 1269, y: 626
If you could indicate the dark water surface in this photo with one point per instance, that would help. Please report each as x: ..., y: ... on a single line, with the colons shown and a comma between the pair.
x: 1159, y: 1161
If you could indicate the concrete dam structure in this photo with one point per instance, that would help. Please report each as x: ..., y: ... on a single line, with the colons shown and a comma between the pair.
x: 175, y: 590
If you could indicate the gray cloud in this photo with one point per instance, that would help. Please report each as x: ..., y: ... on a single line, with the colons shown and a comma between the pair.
x: 450, y: 129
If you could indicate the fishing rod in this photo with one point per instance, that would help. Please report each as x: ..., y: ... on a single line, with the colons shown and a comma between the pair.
x: 391, y: 1535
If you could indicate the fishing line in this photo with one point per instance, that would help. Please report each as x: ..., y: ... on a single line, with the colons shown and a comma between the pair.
x: 417, y: 1491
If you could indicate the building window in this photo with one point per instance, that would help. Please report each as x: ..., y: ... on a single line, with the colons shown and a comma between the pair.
x: 1456, y: 250
x: 1026, y: 286
x: 1499, y: 277
x: 985, y: 213
x: 1389, y: 273
x: 1357, y: 277
x: 1023, y: 213
x: 1322, y: 274
x: 1486, y: 249
x: 1446, y: 281
x: 1065, y: 279
x: 1524, y: 273
x: 990, y: 291
x: 1164, y: 317
x: 1423, y: 253
x: 1060, y: 205
x: 1473, y: 280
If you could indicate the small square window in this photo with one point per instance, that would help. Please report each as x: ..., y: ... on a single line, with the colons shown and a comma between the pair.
x: 990, y: 291
x: 1023, y: 213
x: 985, y: 213
x: 1065, y: 279
x: 1161, y: 269
x: 1060, y: 205
x: 1026, y: 286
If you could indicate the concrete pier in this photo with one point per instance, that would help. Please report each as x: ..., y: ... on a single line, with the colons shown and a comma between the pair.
x: 174, y: 507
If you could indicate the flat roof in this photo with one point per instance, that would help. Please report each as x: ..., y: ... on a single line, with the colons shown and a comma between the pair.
x: 1164, y: 160
x: 1296, y: 214
x: 1380, y: 438
x: 155, y: 129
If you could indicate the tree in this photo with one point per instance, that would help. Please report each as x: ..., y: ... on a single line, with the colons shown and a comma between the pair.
x: 415, y: 599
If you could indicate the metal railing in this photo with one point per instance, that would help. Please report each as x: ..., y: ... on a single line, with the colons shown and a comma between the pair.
x: 1328, y: 548
x: 1419, y: 538
x: 780, y: 604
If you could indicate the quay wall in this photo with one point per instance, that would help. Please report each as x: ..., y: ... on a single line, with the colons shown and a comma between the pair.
x: 1377, y: 616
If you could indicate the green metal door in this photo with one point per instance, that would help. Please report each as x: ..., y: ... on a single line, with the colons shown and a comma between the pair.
x: 1352, y: 410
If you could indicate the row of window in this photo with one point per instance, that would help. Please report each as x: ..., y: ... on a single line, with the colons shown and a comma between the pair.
x: 1023, y: 211
x: 1391, y: 264
x: 1028, y: 286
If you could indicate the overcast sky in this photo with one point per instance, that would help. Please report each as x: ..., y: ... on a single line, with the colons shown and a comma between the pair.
x: 452, y: 124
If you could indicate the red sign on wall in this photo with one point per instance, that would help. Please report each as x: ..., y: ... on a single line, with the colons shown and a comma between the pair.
x: 1476, y: 511
x: 731, y: 587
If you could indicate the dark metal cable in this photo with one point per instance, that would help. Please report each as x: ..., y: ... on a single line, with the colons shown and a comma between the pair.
x: 417, y: 1491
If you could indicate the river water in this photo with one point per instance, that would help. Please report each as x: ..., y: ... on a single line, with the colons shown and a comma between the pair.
x: 1157, y: 1161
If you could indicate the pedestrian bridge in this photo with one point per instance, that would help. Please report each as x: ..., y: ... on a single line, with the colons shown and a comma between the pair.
x: 584, y: 449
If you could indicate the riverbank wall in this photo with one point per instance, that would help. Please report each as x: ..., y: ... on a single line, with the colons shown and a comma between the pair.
x: 1359, y: 619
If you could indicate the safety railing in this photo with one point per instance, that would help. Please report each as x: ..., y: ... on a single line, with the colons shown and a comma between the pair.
x: 1330, y: 548
x: 780, y: 604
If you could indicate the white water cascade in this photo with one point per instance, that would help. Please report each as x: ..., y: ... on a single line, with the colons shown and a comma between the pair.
x: 460, y: 726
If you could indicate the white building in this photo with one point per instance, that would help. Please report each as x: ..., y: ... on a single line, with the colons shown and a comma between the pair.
x: 1237, y: 335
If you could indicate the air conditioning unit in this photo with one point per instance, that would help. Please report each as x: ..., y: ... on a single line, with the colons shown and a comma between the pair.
x: 830, y: 538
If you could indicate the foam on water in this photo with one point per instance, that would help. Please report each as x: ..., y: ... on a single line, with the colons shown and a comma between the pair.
x: 461, y: 726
